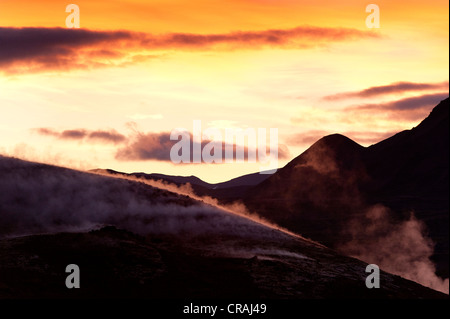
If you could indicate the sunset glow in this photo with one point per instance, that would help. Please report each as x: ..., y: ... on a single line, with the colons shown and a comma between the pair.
x: 136, y: 70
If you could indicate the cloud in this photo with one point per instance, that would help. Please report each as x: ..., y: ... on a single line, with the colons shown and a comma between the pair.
x: 410, y: 108
x: 26, y: 50
x: 73, y: 134
x: 406, y: 104
x: 157, y: 146
x: 397, y: 87
x: 45, y: 131
x: 42, y: 49
x: 299, y: 37
x: 110, y: 136
x: 148, y: 146
x: 151, y: 146
x: 107, y: 136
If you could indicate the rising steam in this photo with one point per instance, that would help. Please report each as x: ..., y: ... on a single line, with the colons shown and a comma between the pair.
x: 400, y: 248
x: 236, y: 208
x: 37, y: 198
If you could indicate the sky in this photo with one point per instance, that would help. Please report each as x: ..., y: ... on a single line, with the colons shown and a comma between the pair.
x: 108, y: 94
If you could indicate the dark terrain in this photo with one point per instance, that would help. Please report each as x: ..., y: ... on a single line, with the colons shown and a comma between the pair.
x: 134, y: 241
x: 119, y: 264
x: 319, y: 193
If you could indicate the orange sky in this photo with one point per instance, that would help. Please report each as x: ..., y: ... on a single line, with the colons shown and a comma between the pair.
x: 304, y: 67
x: 220, y: 16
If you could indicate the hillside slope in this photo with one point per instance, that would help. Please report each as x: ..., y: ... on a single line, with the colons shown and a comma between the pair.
x: 133, y: 240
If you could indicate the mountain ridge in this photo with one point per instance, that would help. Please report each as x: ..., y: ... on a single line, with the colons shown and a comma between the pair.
x: 336, y: 180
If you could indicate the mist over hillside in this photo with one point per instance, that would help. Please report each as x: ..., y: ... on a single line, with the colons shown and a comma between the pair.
x: 137, y: 241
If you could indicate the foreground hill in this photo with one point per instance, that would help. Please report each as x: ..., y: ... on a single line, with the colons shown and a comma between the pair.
x: 118, y: 263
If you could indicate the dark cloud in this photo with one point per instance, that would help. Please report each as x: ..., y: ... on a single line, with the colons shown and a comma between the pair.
x: 398, y: 87
x: 148, y: 146
x: 151, y: 146
x: 107, y: 136
x: 421, y: 102
x: 73, y: 134
x: 295, y: 37
x: 36, y: 49
x: 157, y: 146
x: 43, y: 49
x: 110, y: 136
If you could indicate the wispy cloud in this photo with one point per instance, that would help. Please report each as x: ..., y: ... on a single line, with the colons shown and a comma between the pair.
x: 299, y: 37
x: 42, y: 49
x: 407, y: 109
x: 105, y: 136
x: 393, y: 88
x: 405, y: 104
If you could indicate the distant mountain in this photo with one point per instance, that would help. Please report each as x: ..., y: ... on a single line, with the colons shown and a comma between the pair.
x: 225, y: 191
x: 135, y: 241
x: 244, y: 180
x: 321, y: 192
x: 317, y: 192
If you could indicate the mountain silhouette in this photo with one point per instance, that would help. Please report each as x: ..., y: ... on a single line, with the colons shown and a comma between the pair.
x: 319, y: 193
x: 225, y: 191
